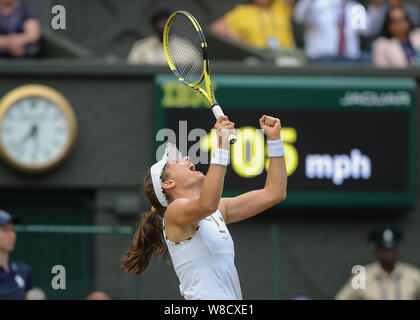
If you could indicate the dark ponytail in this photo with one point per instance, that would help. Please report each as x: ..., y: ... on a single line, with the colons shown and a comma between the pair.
x: 148, y: 239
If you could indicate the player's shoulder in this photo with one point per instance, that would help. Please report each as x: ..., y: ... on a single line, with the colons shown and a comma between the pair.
x: 175, y: 207
x: 177, y: 202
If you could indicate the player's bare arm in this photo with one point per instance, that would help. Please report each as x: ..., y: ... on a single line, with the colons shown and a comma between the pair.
x: 183, y: 214
x: 254, y: 202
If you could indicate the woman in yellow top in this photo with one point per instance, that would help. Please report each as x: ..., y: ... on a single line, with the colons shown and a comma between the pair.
x: 261, y: 24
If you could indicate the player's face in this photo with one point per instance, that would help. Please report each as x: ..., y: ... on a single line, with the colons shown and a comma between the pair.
x: 7, y: 237
x: 183, y: 172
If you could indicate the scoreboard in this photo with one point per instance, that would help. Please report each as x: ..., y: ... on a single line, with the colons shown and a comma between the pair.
x: 349, y: 141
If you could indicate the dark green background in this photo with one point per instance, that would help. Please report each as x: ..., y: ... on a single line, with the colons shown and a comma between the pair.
x: 41, y: 251
x: 311, y: 105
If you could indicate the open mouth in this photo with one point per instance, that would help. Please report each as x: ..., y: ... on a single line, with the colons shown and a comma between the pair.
x: 191, y: 167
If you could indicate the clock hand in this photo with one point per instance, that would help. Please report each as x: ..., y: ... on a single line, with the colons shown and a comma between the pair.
x: 29, y: 135
x: 26, y: 137
x: 18, y: 145
x: 35, y: 130
x: 36, y: 140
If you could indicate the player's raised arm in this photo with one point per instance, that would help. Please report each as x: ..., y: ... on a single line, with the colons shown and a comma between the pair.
x: 254, y: 202
x: 188, y: 210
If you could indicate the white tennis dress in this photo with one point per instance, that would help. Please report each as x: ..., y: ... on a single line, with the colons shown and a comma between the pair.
x: 204, y: 263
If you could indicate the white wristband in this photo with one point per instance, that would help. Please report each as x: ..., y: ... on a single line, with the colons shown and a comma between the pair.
x: 221, y: 157
x: 275, y: 148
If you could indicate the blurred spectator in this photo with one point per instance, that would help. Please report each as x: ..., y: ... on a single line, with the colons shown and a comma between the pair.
x: 150, y: 50
x: 19, y: 30
x: 98, y: 295
x: 378, y: 9
x: 329, y: 33
x: 15, y: 277
x: 35, y: 294
x: 386, y: 279
x: 399, y: 43
x: 261, y: 24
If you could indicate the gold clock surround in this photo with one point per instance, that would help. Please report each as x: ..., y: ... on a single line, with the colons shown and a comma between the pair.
x: 47, y: 93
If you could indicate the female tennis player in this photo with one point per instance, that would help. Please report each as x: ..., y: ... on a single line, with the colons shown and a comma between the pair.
x: 188, y: 217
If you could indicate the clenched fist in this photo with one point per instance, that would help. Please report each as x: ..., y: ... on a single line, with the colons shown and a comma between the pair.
x: 224, y: 128
x: 271, y: 127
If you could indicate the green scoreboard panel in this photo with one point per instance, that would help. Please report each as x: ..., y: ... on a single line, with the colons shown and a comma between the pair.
x: 348, y: 141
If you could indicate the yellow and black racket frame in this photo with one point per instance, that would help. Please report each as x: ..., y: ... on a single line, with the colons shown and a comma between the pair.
x: 208, y: 93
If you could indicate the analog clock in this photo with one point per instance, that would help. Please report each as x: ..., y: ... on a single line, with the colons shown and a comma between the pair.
x: 37, y: 128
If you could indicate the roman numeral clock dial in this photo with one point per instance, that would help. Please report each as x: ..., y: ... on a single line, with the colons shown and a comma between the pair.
x: 37, y: 128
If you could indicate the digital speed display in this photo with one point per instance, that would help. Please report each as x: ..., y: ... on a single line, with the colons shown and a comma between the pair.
x: 348, y: 141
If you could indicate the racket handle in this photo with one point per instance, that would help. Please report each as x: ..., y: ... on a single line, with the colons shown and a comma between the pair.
x: 232, y: 138
x: 217, y: 111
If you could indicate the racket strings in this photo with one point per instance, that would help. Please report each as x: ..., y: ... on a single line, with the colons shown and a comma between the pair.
x: 184, y: 46
x: 185, y: 56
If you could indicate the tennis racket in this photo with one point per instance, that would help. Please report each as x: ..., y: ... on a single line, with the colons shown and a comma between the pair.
x: 186, y: 52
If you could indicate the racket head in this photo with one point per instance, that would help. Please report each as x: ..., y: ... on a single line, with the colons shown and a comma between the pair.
x: 186, y: 52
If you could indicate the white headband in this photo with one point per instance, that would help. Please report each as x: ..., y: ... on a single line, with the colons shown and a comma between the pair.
x: 171, y: 154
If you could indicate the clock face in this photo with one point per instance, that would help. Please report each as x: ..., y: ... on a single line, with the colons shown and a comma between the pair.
x: 36, y: 133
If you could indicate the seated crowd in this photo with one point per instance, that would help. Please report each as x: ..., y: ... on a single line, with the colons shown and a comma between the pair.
x: 383, y: 32
x: 20, y: 30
